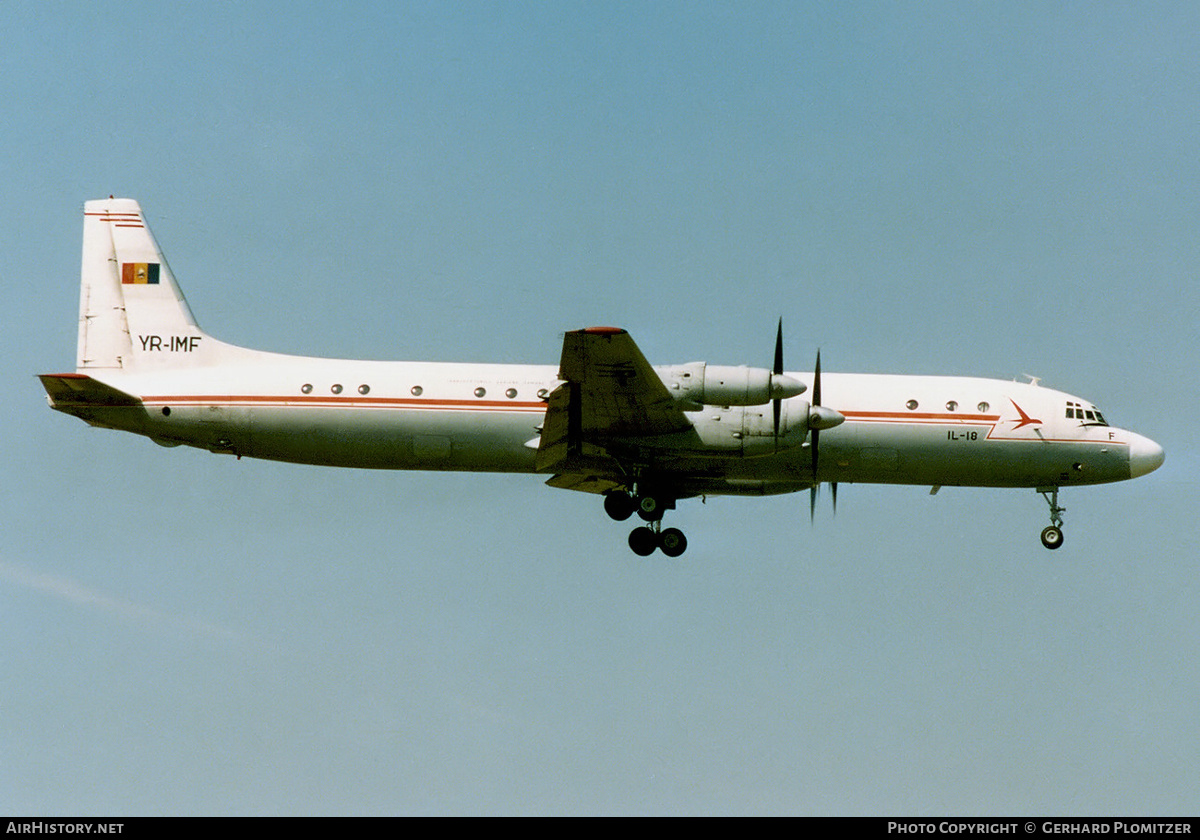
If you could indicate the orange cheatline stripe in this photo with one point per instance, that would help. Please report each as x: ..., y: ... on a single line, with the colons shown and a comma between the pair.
x: 913, y: 416
x: 377, y: 402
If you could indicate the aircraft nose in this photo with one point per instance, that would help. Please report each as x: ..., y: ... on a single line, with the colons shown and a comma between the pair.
x: 1144, y: 456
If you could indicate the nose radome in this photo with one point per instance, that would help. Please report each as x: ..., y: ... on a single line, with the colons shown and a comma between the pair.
x: 1144, y: 456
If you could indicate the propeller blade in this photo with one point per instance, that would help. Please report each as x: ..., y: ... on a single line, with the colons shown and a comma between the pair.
x: 816, y: 394
x: 816, y: 402
x: 777, y: 369
x: 816, y: 420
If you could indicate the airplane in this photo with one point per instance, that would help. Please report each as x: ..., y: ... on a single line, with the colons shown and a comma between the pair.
x: 603, y: 421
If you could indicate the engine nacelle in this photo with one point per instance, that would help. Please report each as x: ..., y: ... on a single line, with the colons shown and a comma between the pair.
x: 704, y: 384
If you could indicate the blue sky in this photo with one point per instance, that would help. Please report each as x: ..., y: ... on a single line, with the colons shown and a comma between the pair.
x: 974, y: 189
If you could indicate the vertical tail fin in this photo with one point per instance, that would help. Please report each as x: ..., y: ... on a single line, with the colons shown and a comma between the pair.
x: 131, y: 311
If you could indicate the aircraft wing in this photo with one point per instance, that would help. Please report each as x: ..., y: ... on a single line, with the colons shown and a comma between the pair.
x: 610, y: 400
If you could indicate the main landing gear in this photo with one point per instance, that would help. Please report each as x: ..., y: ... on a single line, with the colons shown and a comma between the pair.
x: 643, y: 540
x: 1052, y: 537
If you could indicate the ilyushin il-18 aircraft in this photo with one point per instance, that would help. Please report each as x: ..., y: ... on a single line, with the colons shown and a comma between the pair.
x: 604, y: 421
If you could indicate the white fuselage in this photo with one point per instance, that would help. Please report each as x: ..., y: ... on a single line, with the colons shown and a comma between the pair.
x: 441, y: 416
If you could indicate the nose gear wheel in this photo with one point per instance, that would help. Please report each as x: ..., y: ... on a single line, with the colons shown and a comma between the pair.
x: 1052, y: 537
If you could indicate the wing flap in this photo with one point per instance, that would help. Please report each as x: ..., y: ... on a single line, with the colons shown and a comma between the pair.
x: 584, y: 482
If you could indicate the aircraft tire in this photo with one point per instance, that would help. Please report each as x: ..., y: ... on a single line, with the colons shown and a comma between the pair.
x: 1052, y: 537
x: 618, y: 505
x: 672, y: 542
x: 643, y: 541
x: 649, y: 508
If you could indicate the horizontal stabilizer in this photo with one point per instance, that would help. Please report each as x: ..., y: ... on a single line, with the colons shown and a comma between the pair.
x: 68, y: 390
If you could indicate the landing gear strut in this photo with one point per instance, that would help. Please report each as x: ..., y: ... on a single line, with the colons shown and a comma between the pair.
x: 645, y: 539
x: 1052, y: 537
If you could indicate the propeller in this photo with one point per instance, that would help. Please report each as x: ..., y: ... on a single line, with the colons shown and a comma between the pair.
x: 781, y: 385
x: 819, y: 418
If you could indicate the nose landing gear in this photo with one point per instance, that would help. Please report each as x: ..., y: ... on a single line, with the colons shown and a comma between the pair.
x: 1052, y: 537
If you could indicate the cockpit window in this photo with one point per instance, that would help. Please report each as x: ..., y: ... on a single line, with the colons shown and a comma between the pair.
x: 1087, y: 416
